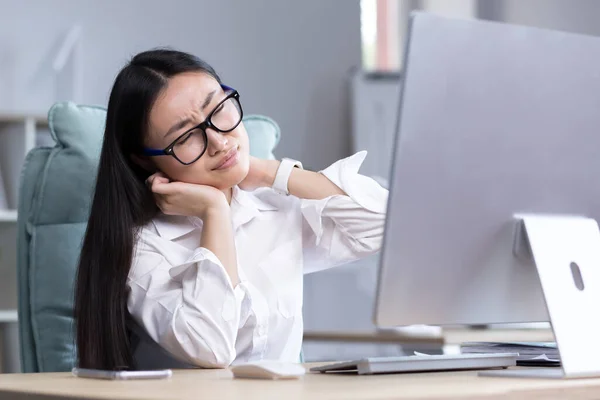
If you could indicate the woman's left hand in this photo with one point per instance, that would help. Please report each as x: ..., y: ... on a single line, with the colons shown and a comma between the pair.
x: 302, y: 183
x: 261, y: 174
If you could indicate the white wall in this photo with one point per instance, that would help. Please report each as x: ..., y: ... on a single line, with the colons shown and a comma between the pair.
x: 289, y: 59
x: 580, y: 16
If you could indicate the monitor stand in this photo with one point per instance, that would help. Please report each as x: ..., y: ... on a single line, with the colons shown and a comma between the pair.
x: 566, y: 253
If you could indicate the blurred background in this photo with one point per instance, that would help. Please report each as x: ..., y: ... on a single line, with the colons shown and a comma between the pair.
x: 328, y: 71
x: 291, y: 60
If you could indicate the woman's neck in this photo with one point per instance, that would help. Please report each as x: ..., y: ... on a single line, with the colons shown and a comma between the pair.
x: 228, y: 194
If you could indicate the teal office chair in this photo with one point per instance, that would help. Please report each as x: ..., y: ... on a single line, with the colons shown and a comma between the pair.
x: 55, y: 196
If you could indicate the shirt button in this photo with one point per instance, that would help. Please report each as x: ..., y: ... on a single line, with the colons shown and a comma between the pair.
x: 262, y: 330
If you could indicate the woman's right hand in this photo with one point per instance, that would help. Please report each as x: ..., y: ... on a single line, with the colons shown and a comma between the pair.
x: 207, y: 203
x: 180, y: 198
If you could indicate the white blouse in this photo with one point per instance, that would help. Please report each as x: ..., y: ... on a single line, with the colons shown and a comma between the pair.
x: 182, y: 296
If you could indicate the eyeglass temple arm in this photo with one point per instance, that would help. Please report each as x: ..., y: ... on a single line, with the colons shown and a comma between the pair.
x: 227, y: 88
x: 154, y: 152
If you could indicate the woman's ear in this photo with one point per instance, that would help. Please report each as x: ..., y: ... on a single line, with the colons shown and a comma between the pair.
x: 143, y: 162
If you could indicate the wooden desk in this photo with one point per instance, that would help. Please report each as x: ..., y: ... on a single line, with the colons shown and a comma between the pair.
x: 219, y: 384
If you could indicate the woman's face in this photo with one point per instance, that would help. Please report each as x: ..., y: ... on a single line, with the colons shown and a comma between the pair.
x: 187, y: 101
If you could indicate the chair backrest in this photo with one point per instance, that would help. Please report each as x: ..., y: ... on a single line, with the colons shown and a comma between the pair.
x: 54, y: 199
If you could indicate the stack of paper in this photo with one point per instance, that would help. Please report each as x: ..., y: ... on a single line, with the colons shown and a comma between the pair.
x: 530, y: 353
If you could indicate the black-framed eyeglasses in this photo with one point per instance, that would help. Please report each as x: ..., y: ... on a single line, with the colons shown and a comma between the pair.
x: 192, y: 144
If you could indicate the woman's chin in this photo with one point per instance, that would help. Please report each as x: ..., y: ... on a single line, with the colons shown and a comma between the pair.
x: 232, y: 177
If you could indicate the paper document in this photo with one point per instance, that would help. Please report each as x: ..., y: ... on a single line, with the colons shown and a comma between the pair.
x: 543, y: 354
x: 539, y: 361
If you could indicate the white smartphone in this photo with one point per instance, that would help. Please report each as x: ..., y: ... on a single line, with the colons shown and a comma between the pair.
x: 121, y: 375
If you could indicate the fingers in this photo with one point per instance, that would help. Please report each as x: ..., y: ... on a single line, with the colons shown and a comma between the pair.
x: 156, y: 180
x: 158, y: 176
x: 163, y: 187
x: 159, y: 185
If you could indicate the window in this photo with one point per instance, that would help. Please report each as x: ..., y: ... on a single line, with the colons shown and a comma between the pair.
x: 384, y: 24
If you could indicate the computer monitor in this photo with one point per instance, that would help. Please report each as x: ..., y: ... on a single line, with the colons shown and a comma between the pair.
x: 494, y: 120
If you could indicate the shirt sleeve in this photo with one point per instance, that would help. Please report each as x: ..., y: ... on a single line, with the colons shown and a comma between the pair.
x: 192, y: 310
x: 340, y: 229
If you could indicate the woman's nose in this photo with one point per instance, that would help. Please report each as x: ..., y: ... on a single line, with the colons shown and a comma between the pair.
x: 217, y: 142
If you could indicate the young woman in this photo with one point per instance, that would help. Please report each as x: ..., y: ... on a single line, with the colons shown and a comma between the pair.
x: 200, y: 244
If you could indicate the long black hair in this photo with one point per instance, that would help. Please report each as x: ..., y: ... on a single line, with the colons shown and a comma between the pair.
x: 121, y: 205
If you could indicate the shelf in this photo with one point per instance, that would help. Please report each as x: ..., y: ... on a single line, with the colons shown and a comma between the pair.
x: 8, y: 216
x: 453, y: 336
x: 19, y: 117
x: 9, y: 316
x: 376, y: 336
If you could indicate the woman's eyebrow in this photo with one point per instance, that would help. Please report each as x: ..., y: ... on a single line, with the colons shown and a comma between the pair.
x: 186, y: 121
x: 178, y: 126
x: 208, y: 99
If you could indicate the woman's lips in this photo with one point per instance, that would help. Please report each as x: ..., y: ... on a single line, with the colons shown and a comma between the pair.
x: 229, y: 160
